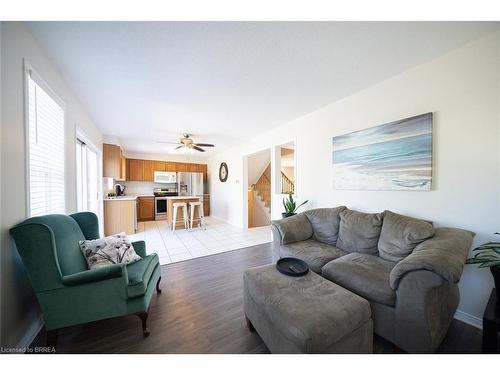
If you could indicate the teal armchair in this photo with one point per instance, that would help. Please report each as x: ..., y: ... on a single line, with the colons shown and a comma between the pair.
x: 68, y: 292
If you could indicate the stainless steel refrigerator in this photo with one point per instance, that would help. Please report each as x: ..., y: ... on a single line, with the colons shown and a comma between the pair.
x: 190, y: 184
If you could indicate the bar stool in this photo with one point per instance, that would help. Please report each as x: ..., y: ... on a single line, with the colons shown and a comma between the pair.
x: 176, y: 206
x: 192, y: 206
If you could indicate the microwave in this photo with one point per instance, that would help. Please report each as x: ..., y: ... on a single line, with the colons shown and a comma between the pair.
x: 165, y: 177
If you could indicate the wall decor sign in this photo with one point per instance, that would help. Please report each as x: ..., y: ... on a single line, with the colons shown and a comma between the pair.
x: 223, y: 172
x: 393, y: 156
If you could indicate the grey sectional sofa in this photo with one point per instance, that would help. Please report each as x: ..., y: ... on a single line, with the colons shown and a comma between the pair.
x: 407, y: 269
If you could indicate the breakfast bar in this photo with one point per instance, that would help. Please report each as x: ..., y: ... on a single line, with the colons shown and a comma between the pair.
x: 170, y: 210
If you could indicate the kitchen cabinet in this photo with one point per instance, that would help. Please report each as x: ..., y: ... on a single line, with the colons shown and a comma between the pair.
x: 170, y: 166
x: 123, y: 167
x: 146, y: 209
x: 181, y: 167
x: 159, y: 166
x: 148, y: 170
x: 136, y: 170
x: 119, y: 216
x: 192, y: 167
x: 206, y: 204
x: 111, y: 158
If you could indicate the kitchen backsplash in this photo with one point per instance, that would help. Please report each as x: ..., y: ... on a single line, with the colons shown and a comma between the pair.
x: 144, y: 188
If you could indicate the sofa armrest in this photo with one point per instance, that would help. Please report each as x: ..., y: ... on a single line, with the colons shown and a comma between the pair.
x: 140, y: 248
x: 98, y: 274
x: 443, y: 254
x: 292, y: 229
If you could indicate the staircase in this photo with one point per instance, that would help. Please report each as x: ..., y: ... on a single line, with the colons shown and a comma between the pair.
x: 287, y: 185
x: 263, y: 187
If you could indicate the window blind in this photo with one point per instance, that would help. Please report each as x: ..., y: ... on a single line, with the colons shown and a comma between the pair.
x: 46, y: 152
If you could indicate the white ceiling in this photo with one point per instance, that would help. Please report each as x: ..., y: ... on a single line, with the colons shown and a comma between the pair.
x: 226, y: 81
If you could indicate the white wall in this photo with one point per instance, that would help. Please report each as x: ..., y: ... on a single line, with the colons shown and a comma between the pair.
x: 462, y: 88
x: 257, y: 164
x: 20, y: 314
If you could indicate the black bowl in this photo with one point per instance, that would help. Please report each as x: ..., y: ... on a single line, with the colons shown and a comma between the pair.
x: 292, y: 267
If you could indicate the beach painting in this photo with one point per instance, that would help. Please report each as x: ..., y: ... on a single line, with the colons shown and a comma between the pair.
x: 393, y: 156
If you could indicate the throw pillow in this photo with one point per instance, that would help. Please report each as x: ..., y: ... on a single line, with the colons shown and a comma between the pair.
x: 325, y: 223
x: 400, y: 234
x: 108, y: 250
x: 359, y: 232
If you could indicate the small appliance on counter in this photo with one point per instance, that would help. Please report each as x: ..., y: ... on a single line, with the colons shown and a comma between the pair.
x: 120, y: 190
x: 161, y: 195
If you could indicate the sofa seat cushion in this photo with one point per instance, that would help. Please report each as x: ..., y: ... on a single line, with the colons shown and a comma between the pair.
x: 139, y: 274
x: 325, y: 223
x: 400, y: 234
x: 364, y: 274
x: 359, y: 232
x: 315, y: 254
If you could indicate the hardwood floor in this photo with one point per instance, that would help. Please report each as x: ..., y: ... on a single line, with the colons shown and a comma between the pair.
x: 201, y: 311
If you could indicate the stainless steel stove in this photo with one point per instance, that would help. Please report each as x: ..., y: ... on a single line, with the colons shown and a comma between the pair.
x: 161, y: 195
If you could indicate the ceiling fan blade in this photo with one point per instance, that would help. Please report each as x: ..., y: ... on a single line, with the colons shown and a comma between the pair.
x: 204, y: 144
x: 167, y: 142
x: 178, y: 147
x: 198, y: 149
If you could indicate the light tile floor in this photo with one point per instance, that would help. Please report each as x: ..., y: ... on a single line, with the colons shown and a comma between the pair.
x: 216, y: 237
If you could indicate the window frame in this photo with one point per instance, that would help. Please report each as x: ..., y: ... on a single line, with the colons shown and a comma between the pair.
x: 30, y: 72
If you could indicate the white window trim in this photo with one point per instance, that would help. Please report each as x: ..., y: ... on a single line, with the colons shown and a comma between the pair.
x: 29, y: 71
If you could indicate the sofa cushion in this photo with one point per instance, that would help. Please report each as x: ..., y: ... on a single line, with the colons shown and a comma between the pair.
x: 400, y: 234
x: 139, y: 274
x: 364, y: 274
x: 315, y: 254
x: 325, y: 223
x: 294, y: 228
x: 359, y: 232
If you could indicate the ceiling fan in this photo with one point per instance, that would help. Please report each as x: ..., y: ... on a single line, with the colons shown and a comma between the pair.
x: 187, y: 142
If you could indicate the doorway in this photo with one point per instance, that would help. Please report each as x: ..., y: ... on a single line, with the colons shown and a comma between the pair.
x: 259, y: 192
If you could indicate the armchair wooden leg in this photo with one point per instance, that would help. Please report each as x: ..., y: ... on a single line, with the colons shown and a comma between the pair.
x: 143, y: 315
x: 158, y: 290
x: 52, y: 338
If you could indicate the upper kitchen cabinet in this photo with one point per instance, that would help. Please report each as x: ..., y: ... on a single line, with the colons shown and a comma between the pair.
x: 193, y: 167
x: 114, y: 163
x: 182, y: 167
x: 160, y: 166
x: 170, y: 166
x: 136, y: 170
x: 148, y: 172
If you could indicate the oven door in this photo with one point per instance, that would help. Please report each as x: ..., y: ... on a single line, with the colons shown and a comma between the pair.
x: 160, y: 208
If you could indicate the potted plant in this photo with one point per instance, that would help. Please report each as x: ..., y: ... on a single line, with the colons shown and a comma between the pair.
x: 291, y: 206
x: 488, y: 255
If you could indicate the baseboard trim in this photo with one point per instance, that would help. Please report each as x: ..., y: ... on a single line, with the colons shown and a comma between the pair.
x: 469, y: 319
x: 34, y: 329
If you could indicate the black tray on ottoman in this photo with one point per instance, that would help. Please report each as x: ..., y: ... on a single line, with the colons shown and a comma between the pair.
x: 292, y: 267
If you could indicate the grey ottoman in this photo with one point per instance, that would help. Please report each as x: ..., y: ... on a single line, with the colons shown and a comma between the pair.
x: 306, y: 314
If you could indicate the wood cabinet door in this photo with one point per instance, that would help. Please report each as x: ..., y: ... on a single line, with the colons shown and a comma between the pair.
x: 181, y: 167
x: 123, y: 167
x: 159, y: 165
x: 146, y: 209
x: 170, y: 166
x: 111, y: 161
x: 136, y: 170
x: 203, y: 169
x: 148, y: 173
x: 192, y: 167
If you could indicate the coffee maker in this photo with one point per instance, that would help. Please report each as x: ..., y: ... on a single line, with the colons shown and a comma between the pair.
x: 119, y: 189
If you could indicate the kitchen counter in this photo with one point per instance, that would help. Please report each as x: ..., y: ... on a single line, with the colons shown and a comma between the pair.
x: 170, y: 210
x: 183, y: 197
x: 122, y: 198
